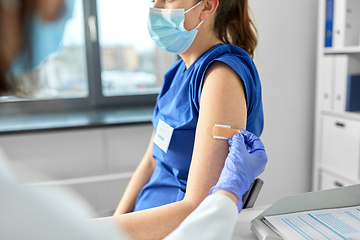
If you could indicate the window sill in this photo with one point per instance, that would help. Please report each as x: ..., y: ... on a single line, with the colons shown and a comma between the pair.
x: 26, y: 123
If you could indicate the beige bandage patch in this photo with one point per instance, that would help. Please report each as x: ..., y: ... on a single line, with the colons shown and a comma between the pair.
x: 222, y: 131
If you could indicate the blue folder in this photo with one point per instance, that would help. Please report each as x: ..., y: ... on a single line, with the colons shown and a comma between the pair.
x: 353, y: 94
x: 329, y: 23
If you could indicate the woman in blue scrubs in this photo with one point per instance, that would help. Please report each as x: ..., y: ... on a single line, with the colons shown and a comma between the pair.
x: 214, y: 82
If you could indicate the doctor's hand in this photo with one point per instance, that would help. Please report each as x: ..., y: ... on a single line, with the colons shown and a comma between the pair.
x: 246, y: 160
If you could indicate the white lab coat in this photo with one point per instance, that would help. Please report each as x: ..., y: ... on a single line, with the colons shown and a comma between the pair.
x: 46, y: 213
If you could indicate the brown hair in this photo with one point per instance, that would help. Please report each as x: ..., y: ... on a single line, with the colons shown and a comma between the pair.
x: 233, y: 25
x: 3, y: 85
x: 25, y: 6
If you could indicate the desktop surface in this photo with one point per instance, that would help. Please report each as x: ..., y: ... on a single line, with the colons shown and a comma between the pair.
x: 242, y: 228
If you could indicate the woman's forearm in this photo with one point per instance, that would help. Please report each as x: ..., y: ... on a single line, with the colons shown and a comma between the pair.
x: 155, y: 223
x: 230, y: 195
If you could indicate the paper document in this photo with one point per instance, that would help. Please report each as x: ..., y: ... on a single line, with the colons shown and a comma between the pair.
x: 330, y: 224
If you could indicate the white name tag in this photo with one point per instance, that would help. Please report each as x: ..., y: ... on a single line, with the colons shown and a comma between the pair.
x: 163, y: 135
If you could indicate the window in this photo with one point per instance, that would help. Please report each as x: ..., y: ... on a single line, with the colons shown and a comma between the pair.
x: 131, y: 63
x: 107, y: 58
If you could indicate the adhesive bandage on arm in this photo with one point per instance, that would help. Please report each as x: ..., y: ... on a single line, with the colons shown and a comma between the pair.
x: 222, y: 131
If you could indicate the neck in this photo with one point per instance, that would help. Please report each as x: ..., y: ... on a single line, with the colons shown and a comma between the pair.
x: 200, y: 45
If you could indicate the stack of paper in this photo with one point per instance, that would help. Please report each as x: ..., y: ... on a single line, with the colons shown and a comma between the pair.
x: 330, y: 224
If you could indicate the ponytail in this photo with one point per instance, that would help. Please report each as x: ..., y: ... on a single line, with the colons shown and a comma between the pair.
x: 233, y: 25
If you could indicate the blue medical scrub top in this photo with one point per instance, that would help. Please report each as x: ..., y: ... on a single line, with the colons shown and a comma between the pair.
x: 178, y: 105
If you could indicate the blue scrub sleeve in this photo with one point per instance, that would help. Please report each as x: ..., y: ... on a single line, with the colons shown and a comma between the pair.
x: 248, y: 75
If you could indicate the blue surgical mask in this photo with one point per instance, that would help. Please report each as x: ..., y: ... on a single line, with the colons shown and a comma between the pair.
x: 43, y: 39
x: 166, y: 28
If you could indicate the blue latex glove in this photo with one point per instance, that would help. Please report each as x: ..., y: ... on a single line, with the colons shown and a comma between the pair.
x: 246, y: 160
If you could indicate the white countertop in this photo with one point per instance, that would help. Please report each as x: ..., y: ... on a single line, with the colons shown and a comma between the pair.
x: 242, y: 229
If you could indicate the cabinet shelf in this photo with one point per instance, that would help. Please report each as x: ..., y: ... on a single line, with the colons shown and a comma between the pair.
x: 344, y: 50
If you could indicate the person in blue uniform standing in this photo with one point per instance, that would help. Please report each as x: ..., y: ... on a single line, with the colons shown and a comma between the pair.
x: 214, y: 82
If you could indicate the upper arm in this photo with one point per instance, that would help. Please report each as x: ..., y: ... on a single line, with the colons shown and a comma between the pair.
x: 140, y: 177
x: 223, y: 101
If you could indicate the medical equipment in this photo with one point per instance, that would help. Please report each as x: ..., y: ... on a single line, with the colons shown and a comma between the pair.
x: 222, y: 131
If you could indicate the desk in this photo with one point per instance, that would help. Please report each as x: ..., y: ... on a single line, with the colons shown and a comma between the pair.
x: 242, y: 228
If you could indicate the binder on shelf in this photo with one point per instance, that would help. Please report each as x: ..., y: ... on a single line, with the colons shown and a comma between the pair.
x: 352, y: 20
x: 326, y: 78
x: 346, y: 83
x: 329, y: 23
x: 342, y: 28
x: 341, y: 71
x: 353, y: 93
x: 339, y: 23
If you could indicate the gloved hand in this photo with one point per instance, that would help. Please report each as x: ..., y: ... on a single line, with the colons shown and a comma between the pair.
x: 246, y: 160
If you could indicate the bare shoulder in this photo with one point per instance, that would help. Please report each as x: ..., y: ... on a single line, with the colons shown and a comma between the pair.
x: 223, y: 97
x: 223, y: 77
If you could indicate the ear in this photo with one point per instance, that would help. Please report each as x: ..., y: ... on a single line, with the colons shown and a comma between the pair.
x: 209, y: 9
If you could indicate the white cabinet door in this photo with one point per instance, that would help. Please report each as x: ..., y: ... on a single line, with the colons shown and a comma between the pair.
x: 340, y: 146
x: 328, y: 181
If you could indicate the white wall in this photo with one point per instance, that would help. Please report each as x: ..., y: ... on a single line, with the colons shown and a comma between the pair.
x: 286, y: 60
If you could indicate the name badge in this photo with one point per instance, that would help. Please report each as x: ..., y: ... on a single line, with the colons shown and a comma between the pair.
x: 163, y: 135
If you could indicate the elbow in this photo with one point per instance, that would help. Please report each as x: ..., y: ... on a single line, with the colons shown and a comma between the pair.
x: 191, y: 204
x: 188, y: 207
x: 150, y: 163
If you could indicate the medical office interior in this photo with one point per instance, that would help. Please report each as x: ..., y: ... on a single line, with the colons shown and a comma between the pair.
x: 110, y: 62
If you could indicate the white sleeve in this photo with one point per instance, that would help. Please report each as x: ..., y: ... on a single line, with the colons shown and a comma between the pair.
x: 43, y: 213
x: 214, y: 218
